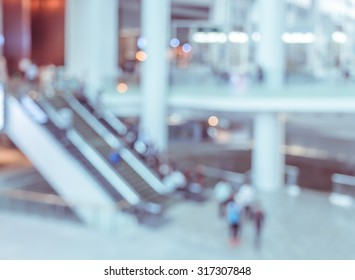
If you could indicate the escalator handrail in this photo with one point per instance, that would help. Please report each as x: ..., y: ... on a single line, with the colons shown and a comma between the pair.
x: 110, y: 118
x: 52, y: 113
x: 114, y: 122
x: 92, y: 122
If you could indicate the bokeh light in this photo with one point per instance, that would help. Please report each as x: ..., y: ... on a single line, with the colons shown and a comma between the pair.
x: 213, y: 121
x: 186, y: 48
x: 141, y: 56
x: 122, y: 87
x: 174, y: 43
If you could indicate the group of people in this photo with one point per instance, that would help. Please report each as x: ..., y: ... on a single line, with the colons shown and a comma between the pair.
x: 239, y: 205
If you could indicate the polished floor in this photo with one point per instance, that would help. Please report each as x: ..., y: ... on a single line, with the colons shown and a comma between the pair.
x: 297, y: 227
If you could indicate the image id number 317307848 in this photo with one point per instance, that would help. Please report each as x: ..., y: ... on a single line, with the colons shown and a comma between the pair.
x: 226, y: 270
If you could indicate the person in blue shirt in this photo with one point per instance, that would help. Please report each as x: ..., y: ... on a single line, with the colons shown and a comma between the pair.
x: 233, y: 215
x: 115, y: 157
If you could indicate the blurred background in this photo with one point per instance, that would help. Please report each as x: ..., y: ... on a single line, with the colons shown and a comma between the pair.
x: 121, y: 119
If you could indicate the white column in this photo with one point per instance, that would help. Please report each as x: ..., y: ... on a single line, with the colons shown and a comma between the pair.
x: 76, y: 53
x: 271, y: 48
x: 220, y: 17
x: 91, y: 48
x: 314, y: 58
x: 268, y: 162
x: 154, y: 74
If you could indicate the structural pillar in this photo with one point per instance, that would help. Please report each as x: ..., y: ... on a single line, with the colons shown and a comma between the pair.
x: 91, y: 45
x: 271, y: 56
x: 268, y: 152
x: 220, y: 17
x: 155, y: 71
x: 16, y: 20
x: 315, y: 57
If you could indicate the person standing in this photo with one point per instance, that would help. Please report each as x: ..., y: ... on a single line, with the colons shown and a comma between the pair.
x: 258, y: 217
x: 233, y: 215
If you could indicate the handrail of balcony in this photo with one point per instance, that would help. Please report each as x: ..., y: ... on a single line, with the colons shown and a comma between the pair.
x: 223, y: 174
x: 291, y: 172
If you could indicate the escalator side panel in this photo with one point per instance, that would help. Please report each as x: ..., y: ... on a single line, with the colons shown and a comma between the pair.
x: 65, y: 174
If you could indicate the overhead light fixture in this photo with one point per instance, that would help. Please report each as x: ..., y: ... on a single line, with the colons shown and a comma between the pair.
x: 238, y: 37
x: 298, y: 38
x: 209, y: 37
x: 339, y: 37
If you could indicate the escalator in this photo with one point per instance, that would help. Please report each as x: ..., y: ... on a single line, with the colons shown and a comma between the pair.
x: 104, y: 142
x: 72, y: 175
x: 119, y: 130
x: 74, y: 151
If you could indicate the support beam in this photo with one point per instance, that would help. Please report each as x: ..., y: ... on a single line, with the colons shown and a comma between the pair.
x: 155, y: 71
x: 91, y: 48
x: 17, y: 32
x: 268, y: 162
x: 271, y: 56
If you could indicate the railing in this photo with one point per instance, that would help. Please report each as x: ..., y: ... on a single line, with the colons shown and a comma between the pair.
x: 53, y: 206
x: 292, y: 173
x: 223, y: 174
x: 114, y: 122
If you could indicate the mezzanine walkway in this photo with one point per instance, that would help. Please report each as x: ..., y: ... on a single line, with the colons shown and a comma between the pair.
x: 304, y: 98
